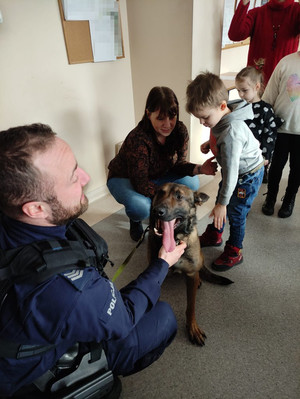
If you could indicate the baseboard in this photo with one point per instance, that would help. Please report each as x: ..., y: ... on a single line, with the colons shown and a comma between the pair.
x: 103, y: 191
x: 97, y: 194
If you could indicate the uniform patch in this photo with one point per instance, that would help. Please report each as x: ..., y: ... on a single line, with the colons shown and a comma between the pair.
x: 78, y: 278
x: 241, y: 193
x: 113, y: 301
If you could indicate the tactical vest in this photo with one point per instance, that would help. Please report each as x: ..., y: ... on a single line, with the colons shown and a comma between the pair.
x: 41, y: 260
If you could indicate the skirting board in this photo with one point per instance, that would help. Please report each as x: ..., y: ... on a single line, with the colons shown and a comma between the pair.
x: 103, y: 191
x: 97, y: 194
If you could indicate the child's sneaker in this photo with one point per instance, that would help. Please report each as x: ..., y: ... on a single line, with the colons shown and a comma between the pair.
x: 211, y: 237
x: 231, y: 256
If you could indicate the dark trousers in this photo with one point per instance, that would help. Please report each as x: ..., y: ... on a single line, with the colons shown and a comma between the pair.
x: 145, y: 344
x: 287, y: 145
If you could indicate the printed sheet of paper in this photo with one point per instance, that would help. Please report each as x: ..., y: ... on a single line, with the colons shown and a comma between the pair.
x: 103, y: 17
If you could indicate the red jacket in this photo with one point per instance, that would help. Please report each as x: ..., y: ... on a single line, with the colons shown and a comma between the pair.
x: 261, y: 23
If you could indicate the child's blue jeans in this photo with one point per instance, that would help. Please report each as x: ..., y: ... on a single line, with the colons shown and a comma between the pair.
x: 137, y: 206
x: 239, y: 205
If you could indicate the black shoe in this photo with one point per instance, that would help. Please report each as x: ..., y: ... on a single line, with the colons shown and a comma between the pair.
x: 268, y: 206
x: 287, y: 207
x: 136, y: 230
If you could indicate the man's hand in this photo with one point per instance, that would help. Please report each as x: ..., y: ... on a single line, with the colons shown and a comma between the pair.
x: 205, y: 147
x: 219, y: 215
x: 245, y: 2
x: 172, y: 257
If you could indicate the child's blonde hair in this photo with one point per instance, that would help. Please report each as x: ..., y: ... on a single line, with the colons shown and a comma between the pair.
x: 206, y: 90
x: 255, y: 75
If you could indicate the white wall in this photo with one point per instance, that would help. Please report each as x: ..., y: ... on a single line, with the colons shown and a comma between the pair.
x: 89, y: 105
x: 234, y: 59
x: 170, y: 42
x: 206, y: 50
x: 94, y: 105
x: 160, y: 33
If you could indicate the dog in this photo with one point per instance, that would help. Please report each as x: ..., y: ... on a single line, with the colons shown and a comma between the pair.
x: 173, y: 219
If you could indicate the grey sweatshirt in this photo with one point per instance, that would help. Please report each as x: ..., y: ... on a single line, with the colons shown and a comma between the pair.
x: 238, y: 149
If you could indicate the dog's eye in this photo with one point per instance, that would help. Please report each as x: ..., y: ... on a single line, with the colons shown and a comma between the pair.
x: 178, y: 195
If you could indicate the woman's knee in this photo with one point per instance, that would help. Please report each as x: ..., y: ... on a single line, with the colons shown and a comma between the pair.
x: 138, y: 208
x: 192, y: 182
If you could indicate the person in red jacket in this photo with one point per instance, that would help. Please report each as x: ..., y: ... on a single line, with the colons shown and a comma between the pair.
x: 273, y: 29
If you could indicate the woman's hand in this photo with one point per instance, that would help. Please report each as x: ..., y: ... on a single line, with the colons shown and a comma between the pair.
x: 172, y: 257
x: 209, y: 167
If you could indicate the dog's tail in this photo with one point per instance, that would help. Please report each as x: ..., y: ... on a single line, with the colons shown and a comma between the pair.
x: 213, y: 278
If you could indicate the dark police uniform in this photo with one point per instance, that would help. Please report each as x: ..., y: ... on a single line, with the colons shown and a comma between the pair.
x: 81, y: 306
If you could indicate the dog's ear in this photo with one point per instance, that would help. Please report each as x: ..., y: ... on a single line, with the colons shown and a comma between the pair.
x: 200, y: 197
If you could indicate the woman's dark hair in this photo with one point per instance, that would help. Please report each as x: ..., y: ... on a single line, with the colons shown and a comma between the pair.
x: 163, y: 99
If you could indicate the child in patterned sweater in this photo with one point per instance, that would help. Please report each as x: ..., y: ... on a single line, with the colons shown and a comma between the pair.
x: 264, y: 125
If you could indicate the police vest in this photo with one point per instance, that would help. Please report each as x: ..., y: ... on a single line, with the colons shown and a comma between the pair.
x: 41, y: 260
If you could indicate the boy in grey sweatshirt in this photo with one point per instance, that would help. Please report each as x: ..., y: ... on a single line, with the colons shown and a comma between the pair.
x: 238, y: 153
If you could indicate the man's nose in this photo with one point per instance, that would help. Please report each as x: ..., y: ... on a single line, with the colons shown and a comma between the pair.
x: 83, y: 176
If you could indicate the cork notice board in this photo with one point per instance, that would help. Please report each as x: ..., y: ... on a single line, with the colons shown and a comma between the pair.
x: 78, y: 39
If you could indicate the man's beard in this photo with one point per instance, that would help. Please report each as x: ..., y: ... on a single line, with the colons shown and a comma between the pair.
x: 61, y: 215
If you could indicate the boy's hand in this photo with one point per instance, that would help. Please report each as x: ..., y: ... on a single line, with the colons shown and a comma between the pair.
x: 172, y: 257
x: 205, y: 147
x: 219, y: 215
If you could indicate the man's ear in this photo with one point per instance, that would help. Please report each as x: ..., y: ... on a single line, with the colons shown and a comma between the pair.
x: 36, y: 210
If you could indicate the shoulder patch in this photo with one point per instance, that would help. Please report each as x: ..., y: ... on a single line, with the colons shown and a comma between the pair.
x: 78, y: 278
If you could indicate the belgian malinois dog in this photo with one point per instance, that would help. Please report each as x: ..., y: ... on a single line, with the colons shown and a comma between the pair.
x: 173, y: 219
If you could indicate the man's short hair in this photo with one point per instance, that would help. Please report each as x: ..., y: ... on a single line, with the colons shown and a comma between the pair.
x: 206, y: 90
x: 21, y: 181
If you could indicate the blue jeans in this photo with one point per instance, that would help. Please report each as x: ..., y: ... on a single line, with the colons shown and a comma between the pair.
x: 239, y: 205
x: 137, y: 206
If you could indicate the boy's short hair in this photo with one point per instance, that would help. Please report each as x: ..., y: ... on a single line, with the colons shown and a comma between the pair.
x: 21, y: 181
x: 206, y: 90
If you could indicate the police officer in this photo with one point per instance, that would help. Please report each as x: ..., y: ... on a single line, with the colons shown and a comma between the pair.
x: 41, y: 190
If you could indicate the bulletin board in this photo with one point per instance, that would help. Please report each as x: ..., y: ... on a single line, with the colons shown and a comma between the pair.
x: 77, y: 37
x: 229, y: 9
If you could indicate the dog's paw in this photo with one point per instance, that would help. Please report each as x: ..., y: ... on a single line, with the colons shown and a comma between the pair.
x: 196, y: 335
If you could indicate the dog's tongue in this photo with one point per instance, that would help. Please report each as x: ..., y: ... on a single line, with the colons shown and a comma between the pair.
x: 168, y: 236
